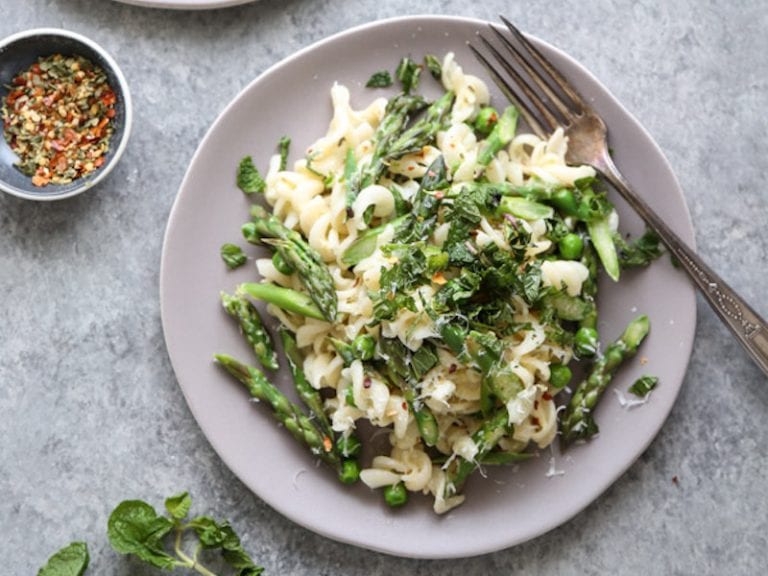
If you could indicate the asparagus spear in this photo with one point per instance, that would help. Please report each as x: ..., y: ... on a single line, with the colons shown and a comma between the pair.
x: 308, y: 395
x: 602, y: 239
x: 589, y: 288
x: 500, y: 136
x: 399, y: 367
x: 285, y: 298
x: 299, y: 255
x: 365, y: 244
x: 248, y: 317
x: 347, y: 447
x: 423, y: 131
x: 390, y: 145
x: 577, y: 422
x: 409, y: 227
x: 524, y: 208
x: 286, y: 412
x: 485, y: 439
x: 395, y: 118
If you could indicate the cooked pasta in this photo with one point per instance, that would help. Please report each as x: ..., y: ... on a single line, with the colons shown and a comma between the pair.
x: 502, y: 368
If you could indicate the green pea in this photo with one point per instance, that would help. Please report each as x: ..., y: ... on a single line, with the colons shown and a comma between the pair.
x: 282, y: 266
x: 350, y: 471
x: 585, y: 342
x: 559, y: 375
x: 395, y: 495
x: 364, y: 346
x: 349, y: 446
x: 571, y: 246
x: 486, y: 120
x: 565, y: 201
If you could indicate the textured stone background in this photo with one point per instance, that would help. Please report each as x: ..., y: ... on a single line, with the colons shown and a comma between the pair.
x: 90, y: 412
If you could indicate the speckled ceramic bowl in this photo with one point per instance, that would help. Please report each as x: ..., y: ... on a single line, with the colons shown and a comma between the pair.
x: 17, y: 53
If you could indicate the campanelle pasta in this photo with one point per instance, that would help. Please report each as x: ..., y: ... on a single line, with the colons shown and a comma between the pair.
x: 311, y: 198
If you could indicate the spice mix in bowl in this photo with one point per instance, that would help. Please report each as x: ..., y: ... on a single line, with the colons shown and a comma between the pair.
x: 65, y: 111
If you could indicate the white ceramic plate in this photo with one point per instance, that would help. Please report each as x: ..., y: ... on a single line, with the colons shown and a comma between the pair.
x: 185, y: 4
x: 508, y: 506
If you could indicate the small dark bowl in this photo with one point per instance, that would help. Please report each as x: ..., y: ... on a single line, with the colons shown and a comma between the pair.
x: 17, y: 53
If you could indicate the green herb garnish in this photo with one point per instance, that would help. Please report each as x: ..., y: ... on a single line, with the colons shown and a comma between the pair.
x: 285, y: 145
x: 381, y: 79
x: 72, y: 560
x: 248, y: 178
x: 232, y: 255
x: 434, y: 66
x: 136, y: 528
x: 640, y: 252
x: 643, y: 385
x: 408, y: 72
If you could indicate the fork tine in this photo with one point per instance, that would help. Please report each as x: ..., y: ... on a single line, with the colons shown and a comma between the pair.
x: 530, y: 94
x: 536, y: 77
x: 511, y: 94
x: 558, y: 78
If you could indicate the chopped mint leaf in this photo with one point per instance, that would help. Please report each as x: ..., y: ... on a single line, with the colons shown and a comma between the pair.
x: 248, y: 178
x: 644, y: 385
x: 381, y: 79
x: 232, y: 255
x: 285, y: 145
x: 408, y: 72
x: 434, y: 66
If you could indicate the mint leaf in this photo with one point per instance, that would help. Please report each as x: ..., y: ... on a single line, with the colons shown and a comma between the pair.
x: 135, y: 528
x: 285, y: 145
x: 530, y: 282
x: 434, y: 67
x: 72, y: 560
x: 248, y: 178
x: 178, y: 506
x: 644, y: 385
x: 641, y: 252
x: 213, y: 535
x: 381, y: 79
x: 232, y: 255
x: 408, y: 72
x: 208, y: 531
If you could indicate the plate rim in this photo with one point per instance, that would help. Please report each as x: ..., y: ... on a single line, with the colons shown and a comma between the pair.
x: 185, y: 4
x: 688, y: 235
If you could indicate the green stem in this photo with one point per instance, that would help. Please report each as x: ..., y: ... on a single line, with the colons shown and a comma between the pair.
x: 285, y: 298
x: 187, y: 561
x: 602, y: 239
x: 500, y: 136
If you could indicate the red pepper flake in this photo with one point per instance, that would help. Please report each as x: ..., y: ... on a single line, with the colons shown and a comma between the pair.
x: 546, y: 396
x: 439, y: 279
x: 404, y: 405
x: 58, y: 120
x: 535, y: 421
x: 675, y: 481
x: 452, y: 368
x: 327, y: 444
x: 366, y: 382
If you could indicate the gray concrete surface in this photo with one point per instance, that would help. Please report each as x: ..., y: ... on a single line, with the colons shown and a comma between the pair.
x: 90, y: 412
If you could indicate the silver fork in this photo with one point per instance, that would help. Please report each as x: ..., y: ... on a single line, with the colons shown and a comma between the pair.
x: 547, y: 100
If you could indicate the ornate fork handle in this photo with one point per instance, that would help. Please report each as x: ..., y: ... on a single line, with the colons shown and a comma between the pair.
x: 748, y: 327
